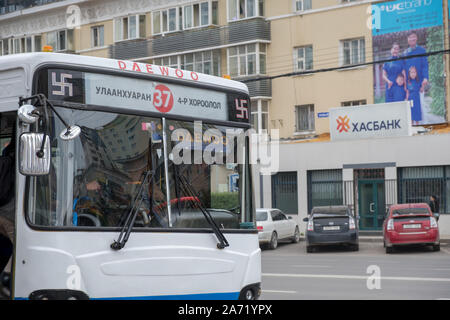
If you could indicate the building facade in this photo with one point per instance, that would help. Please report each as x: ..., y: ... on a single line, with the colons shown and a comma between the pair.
x: 299, y: 58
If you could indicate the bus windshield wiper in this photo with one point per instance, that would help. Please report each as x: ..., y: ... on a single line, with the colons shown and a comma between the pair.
x: 190, y: 192
x: 131, y: 217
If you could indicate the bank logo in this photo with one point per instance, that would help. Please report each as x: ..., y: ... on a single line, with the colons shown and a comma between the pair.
x: 406, y: 5
x: 343, y: 124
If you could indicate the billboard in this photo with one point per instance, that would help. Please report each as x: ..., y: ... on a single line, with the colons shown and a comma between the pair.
x: 371, y: 121
x: 409, y: 32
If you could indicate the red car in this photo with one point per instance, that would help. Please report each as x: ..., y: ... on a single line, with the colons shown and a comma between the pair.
x: 412, y: 223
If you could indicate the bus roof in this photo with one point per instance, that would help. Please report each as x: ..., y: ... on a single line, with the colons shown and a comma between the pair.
x: 16, y: 71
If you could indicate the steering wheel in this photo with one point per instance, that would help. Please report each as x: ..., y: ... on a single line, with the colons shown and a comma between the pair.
x: 87, y: 215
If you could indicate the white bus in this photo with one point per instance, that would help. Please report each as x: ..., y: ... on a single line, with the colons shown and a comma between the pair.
x: 122, y: 181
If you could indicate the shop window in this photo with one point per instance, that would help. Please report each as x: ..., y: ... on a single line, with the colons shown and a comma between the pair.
x: 417, y: 184
x: 324, y: 188
x: 284, y: 192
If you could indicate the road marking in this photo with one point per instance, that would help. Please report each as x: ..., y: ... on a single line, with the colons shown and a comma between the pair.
x: 443, y: 299
x: 338, y: 276
x: 278, y: 291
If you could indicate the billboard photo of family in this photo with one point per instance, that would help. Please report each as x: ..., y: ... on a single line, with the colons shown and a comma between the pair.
x: 408, y: 33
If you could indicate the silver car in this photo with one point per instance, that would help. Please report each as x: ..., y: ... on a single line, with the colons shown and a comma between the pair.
x: 273, y: 225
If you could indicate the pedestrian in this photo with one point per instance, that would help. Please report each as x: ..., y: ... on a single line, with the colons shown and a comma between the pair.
x: 434, y: 204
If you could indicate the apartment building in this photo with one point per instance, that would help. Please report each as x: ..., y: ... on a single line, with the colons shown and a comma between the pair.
x: 300, y: 59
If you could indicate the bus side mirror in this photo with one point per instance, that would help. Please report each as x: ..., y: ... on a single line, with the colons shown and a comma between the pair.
x: 32, y: 160
x: 28, y: 114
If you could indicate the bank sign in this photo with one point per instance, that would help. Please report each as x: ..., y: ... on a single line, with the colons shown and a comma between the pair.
x: 371, y: 121
x: 404, y: 15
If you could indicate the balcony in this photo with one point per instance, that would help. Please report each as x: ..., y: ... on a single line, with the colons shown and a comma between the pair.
x: 191, y: 40
x: 8, y: 6
x: 258, y: 88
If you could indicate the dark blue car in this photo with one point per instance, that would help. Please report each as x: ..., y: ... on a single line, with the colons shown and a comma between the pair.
x: 331, y: 225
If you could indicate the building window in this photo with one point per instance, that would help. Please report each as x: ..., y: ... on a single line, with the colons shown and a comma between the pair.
x: 260, y: 115
x: 171, y: 62
x: 61, y: 40
x: 303, y: 58
x: 305, y: 118
x: 20, y: 45
x: 417, y: 184
x: 242, y: 9
x: 353, y: 103
x: 302, y: 5
x: 247, y: 60
x: 98, y: 36
x: 207, y: 62
x: 131, y: 27
x: 37, y: 43
x: 186, y: 17
x: 324, y: 188
x: 353, y: 51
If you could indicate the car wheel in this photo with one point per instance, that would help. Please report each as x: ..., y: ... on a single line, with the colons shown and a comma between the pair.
x: 389, y: 249
x: 296, y: 237
x: 273, y: 241
x: 437, y: 247
x: 309, y: 249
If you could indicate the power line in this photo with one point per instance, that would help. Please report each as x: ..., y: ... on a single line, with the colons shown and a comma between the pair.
x: 297, y: 73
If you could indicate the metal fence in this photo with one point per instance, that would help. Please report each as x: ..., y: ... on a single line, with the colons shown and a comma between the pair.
x: 326, y: 193
x: 420, y: 190
x: 395, y: 191
x: 284, y: 192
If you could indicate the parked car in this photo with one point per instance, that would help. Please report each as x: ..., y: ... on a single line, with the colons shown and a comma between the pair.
x: 273, y: 225
x: 412, y: 223
x: 331, y: 225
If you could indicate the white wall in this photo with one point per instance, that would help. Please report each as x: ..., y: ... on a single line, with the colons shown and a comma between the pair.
x: 419, y: 150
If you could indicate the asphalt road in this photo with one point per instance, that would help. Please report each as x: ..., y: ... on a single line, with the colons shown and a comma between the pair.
x: 289, y: 273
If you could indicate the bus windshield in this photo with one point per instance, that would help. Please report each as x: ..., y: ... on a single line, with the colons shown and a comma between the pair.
x: 95, y: 178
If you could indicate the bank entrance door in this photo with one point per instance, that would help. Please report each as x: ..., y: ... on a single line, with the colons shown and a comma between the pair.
x: 372, y: 204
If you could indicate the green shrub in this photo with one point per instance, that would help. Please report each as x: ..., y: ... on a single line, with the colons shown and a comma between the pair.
x: 224, y: 200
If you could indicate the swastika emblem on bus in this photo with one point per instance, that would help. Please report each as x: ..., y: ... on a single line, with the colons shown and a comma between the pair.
x: 62, y: 84
x: 241, y: 106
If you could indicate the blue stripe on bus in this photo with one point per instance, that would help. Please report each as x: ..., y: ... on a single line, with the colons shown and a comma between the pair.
x: 201, y: 296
